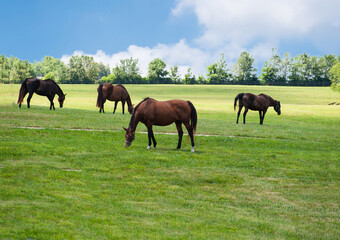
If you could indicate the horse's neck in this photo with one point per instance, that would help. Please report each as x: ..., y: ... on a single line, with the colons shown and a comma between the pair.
x: 134, y: 121
x: 272, y: 102
x: 129, y: 103
x: 59, y: 92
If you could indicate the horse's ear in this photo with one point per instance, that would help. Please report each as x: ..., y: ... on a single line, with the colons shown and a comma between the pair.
x: 65, y: 94
x: 125, y: 129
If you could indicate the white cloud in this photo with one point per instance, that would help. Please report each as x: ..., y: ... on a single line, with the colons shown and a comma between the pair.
x: 251, y: 25
x: 178, y: 54
x: 245, y: 20
x: 233, y: 26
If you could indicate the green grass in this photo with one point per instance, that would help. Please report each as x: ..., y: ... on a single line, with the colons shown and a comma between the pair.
x: 276, y: 181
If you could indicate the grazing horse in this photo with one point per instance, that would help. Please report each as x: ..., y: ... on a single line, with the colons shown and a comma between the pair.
x: 117, y: 93
x: 257, y: 103
x: 48, y: 88
x: 152, y: 112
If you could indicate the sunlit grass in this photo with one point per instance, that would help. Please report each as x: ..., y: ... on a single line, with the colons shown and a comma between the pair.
x: 279, y: 180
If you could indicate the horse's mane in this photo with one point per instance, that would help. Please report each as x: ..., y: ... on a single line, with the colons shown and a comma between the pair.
x: 266, y: 96
x: 52, y: 81
x: 269, y: 98
x: 134, y: 111
x: 120, y: 85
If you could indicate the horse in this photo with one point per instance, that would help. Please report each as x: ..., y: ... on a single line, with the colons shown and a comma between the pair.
x: 259, y: 103
x: 162, y: 113
x: 117, y: 93
x: 47, y: 87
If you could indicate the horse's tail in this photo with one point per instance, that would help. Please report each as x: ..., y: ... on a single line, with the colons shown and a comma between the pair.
x: 238, y: 97
x: 193, y: 117
x: 22, y: 91
x: 100, y: 96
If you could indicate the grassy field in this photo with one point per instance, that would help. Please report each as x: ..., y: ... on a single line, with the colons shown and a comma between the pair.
x: 65, y: 174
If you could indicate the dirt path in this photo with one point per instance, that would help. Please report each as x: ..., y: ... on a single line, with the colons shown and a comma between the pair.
x: 165, y: 133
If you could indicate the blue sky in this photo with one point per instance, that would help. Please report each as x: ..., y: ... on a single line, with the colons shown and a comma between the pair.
x: 187, y: 33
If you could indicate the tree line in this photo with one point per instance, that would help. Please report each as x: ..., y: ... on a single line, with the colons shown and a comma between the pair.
x: 302, y: 70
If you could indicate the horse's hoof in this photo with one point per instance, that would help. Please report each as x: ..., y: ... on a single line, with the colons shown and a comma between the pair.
x: 193, y: 149
x: 148, y: 147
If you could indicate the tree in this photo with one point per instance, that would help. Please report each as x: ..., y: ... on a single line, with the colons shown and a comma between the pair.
x: 174, y: 75
x: 244, y: 71
x: 20, y: 70
x: 104, y: 70
x: 157, y: 72
x: 50, y: 75
x: 218, y: 73
x: 52, y: 66
x: 275, y: 71
x: 83, y: 69
x: 201, y: 80
x: 5, y: 69
x: 127, y: 71
x: 189, y: 78
x: 334, y: 74
x: 269, y: 74
x: 310, y: 70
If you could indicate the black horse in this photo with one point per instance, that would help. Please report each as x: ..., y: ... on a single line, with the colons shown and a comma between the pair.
x: 48, y: 88
x: 257, y: 103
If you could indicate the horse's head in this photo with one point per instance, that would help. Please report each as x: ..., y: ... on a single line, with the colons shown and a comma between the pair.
x: 61, y: 100
x: 129, y: 136
x: 277, y: 108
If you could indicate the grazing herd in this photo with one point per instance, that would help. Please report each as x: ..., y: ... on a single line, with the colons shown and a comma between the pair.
x: 149, y: 111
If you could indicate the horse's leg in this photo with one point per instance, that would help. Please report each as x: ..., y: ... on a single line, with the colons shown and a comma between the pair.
x: 260, y: 113
x: 51, y: 102
x: 123, y: 105
x: 263, y: 113
x: 180, y: 133
x: 191, y: 134
x: 151, y: 136
x: 244, y: 115
x: 29, y: 99
x: 238, y: 113
x: 103, y: 105
x: 114, y: 109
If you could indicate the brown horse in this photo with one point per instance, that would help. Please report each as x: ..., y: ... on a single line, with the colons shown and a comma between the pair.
x: 152, y: 112
x: 257, y: 103
x: 117, y: 93
x: 48, y: 88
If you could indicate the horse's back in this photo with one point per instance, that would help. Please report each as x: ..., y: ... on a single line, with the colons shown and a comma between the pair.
x: 255, y: 102
x: 120, y: 93
x: 166, y: 112
x: 33, y: 84
x: 47, y: 87
x: 248, y: 99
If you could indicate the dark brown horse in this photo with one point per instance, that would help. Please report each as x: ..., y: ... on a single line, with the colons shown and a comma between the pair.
x: 117, y: 93
x: 257, y: 103
x: 48, y: 88
x: 152, y: 112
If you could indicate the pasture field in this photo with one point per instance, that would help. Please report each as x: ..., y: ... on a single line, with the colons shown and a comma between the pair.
x: 65, y: 174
